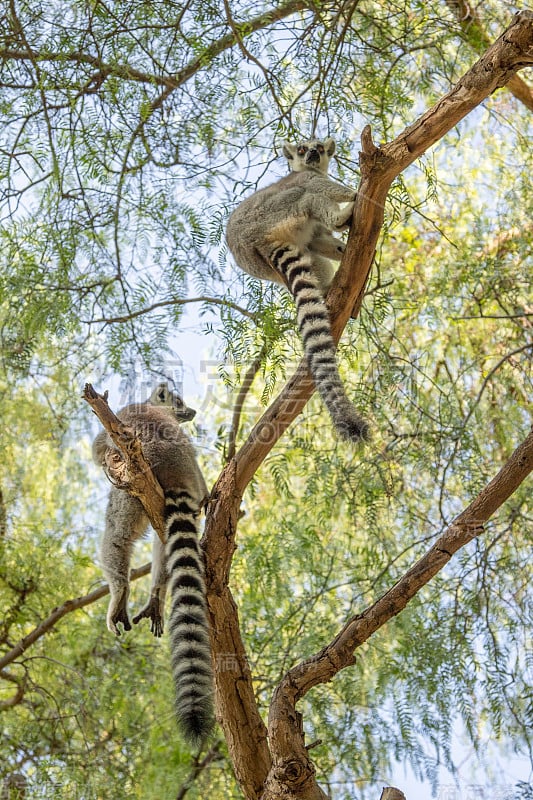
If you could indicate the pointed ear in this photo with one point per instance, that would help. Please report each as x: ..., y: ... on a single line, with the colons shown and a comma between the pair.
x: 330, y: 146
x: 289, y: 151
x: 159, y: 394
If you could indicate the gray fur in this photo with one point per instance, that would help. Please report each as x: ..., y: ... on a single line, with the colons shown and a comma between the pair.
x: 284, y: 233
x: 171, y: 455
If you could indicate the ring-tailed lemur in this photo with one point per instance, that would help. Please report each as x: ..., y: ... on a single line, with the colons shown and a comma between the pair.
x: 283, y: 233
x: 171, y: 455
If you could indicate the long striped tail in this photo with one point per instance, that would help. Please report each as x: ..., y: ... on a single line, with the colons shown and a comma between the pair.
x: 315, y: 330
x: 188, y: 626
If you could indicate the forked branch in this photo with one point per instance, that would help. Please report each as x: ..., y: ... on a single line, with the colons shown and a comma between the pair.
x: 243, y: 727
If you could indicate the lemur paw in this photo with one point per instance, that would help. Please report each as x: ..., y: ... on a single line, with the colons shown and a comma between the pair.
x: 342, y: 226
x: 152, y: 612
x: 119, y: 618
x: 344, y: 217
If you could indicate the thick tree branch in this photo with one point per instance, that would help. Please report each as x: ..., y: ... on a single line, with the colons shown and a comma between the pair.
x: 390, y: 793
x: 284, y: 729
x: 243, y: 727
x: 132, y: 472
x: 237, y: 712
x: 379, y: 167
x: 61, y: 611
x: 478, y: 39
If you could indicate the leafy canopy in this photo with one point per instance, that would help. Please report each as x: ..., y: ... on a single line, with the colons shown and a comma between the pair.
x: 129, y: 132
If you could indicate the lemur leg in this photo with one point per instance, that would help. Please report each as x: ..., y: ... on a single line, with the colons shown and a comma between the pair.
x: 325, y: 244
x: 333, y: 190
x: 325, y: 211
x: 324, y: 272
x: 125, y: 523
x: 343, y: 217
x: 155, y: 607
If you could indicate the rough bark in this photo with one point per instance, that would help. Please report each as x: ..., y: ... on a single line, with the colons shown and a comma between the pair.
x: 390, y: 793
x: 237, y: 711
x: 131, y: 472
x: 474, y: 33
x: 512, y: 51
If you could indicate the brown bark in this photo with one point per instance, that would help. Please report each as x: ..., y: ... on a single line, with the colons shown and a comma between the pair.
x: 132, y: 472
x: 390, y: 793
x: 513, y: 50
x: 474, y: 33
x: 285, y: 769
x: 237, y: 711
x: 239, y: 717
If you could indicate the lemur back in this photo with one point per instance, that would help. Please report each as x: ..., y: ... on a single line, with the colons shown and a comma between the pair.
x: 171, y: 455
x: 283, y: 233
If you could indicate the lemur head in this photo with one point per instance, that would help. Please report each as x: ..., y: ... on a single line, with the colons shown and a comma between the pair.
x: 310, y: 154
x: 163, y: 396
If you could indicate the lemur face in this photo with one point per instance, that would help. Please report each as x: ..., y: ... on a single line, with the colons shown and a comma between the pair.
x: 310, y: 154
x: 163, y: 396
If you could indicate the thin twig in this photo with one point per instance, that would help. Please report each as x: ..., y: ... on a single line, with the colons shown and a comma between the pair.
x: 177, y: 301
x: 252, y: 371
x: 197, y: 768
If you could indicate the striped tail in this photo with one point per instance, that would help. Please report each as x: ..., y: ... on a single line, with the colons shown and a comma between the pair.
x: 315, y: 329
x: 188, y: 626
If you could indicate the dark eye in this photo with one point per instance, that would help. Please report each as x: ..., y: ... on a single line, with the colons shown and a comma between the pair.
x: 320, y: 148
x: 302, y: 150
x: 162, y: 395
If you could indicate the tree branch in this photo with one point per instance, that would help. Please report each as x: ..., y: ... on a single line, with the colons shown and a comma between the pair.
x: 123, y: 71
x: 379, y: 167
x: 170, y: 82
x: 131, y: 472
x: 61, y: 611
x: 390, y: 793
x: 478, y: 39
x: 198, y: 766
x: 237, y: 711
x: 284, y: 728
x: 178, y: 301
x: 18, y: 695
x: 207, y: 56
x: 243, y: 727
x: 239, y: 402
x: 3, y: 515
